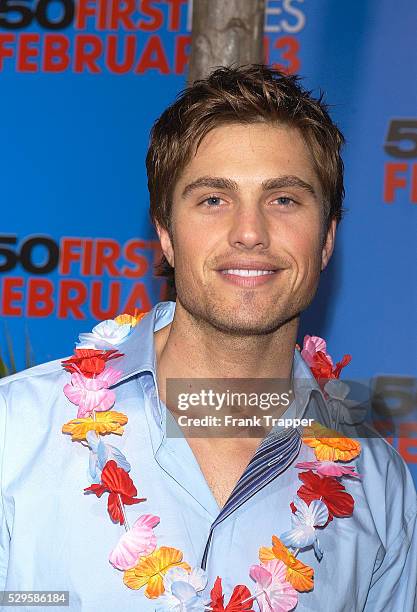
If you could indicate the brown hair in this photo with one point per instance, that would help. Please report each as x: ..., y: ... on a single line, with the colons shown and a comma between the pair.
x: 247, y: 94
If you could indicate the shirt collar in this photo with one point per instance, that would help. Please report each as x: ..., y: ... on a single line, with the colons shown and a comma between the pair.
x: 139, y: 356
x: 139, y: 347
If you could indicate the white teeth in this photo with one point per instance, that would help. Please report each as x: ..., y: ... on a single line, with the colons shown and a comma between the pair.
x: 248, y: 272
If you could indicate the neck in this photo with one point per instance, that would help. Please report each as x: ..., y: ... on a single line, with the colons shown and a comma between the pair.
x: 188, y: 349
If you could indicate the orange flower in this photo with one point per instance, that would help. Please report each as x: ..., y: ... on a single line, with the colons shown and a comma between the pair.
x: 329, y: 445
x: 105, y: 422
x: 150, y: 570
x: 299, y: 575
x: 132, y: 320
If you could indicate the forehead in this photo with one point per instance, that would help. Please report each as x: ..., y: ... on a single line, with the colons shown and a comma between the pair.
x: 253, y: 152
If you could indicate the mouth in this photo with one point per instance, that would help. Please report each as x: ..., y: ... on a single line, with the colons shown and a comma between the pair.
x: 245, y: 273
x: 249, y: 276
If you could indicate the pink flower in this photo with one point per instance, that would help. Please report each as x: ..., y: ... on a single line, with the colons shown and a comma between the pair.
x: 139, y: 541
x: 92, y: 393
x: 328, y: 468
x: 278, y: 595
x: 311, y: 346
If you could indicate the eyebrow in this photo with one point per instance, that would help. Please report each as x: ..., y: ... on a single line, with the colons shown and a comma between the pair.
x: 279, y: 182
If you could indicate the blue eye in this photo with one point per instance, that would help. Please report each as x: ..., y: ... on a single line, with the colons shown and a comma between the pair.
x: 212, y: 201
x: 284, y: 201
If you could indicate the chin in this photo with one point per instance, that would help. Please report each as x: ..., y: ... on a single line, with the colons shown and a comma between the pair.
x: 237, y: 319
x: 238, y: 327
x: 263, y: 321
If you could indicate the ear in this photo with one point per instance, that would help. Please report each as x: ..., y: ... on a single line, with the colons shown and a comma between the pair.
x: 328, y: 245
x: 166, y: 243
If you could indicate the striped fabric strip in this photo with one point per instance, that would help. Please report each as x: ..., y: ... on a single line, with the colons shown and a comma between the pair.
x: 274, y: 456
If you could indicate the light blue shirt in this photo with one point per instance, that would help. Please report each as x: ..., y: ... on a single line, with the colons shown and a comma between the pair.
x: 53, y: 537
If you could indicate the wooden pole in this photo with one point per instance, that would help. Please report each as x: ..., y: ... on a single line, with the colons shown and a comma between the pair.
x: 225, y: 32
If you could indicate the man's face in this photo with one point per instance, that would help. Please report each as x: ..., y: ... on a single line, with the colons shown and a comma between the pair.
x: 247, y: 229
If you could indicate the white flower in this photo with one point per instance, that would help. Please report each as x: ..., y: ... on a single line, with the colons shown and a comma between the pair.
x: 105, y: 335
x: 304, y: 522
x: 181, y: 590
x: 343, y: 410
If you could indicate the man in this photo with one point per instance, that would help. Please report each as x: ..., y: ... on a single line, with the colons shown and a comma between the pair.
x: 246, y: 188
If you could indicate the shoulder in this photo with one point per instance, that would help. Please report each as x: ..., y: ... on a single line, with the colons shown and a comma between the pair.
x: 381, y: 457
x: 40, y: 377
x: 32, y: 402
x: 39, y: 370
x: 388, y: 485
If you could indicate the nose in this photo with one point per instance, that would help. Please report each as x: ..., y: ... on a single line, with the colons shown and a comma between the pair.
x: 249, y: 228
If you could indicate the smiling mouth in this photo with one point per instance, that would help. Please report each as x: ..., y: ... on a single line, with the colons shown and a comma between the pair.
x: 247, y: 277
x: 247, y: 273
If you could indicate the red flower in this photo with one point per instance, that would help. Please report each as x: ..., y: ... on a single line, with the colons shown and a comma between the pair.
x: 89, y: 361
x: 240, y: 593
x: 346, y: 359
x: 116, y: 481
x: 329, y: 490
x: 323, y: 369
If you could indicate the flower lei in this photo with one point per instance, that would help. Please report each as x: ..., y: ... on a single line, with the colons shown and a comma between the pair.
x: 280, y: 575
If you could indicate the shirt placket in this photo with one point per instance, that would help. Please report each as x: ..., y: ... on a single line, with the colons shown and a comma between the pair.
x: 276, y: 453
x: 174, y: 455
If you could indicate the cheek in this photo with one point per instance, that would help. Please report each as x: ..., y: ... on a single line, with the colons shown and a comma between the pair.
x: 307, y: 248
x: 303, y: 246
x: 190, y: 249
